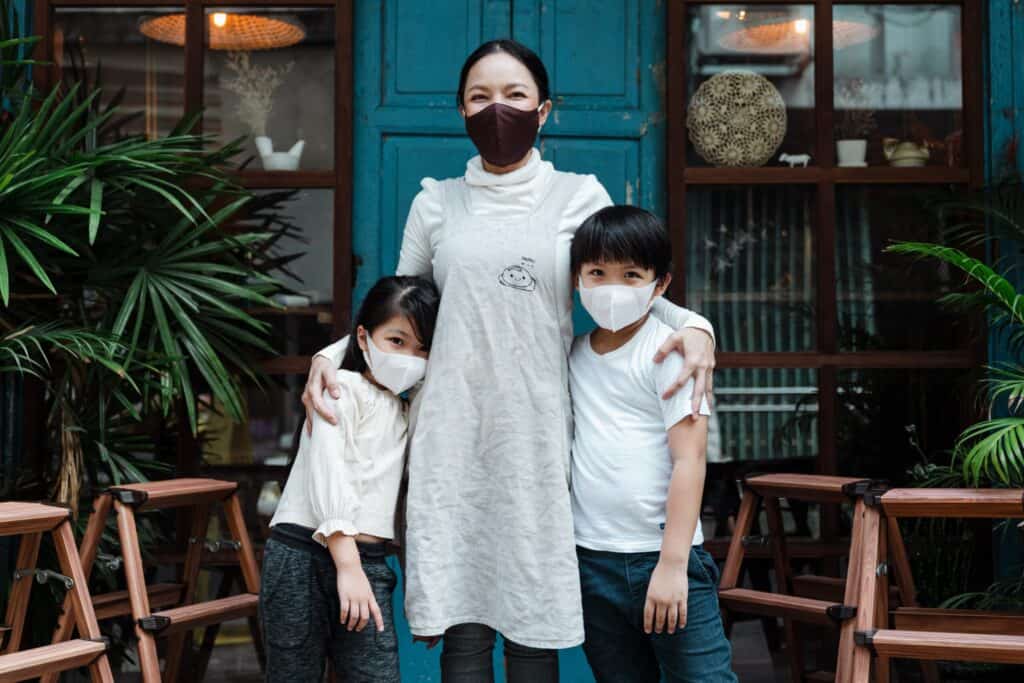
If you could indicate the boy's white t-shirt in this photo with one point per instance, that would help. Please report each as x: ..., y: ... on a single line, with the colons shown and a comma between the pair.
x: 621, y: 464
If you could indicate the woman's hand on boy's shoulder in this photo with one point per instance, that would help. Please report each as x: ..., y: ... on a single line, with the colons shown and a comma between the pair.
x: 322, y: 373
x: 698, y: 350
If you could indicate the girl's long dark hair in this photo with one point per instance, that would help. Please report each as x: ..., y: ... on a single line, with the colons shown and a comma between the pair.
x: 415, y: 298
x: 526, y: 57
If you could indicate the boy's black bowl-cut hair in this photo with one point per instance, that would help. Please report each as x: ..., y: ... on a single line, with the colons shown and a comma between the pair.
x: 415, y: 298
x: 620, y: 233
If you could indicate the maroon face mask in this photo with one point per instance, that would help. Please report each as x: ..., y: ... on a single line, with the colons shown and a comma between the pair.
x: 503, y: 134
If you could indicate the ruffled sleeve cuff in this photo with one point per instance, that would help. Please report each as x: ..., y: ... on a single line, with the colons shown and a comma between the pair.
x: 334, y: 526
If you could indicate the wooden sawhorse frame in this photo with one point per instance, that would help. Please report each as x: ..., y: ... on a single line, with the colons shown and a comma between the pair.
x: 175, y: 622
x: 924, y: 634
x: 31, y: 521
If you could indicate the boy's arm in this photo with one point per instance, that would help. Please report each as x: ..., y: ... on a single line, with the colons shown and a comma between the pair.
x: 665, y: 608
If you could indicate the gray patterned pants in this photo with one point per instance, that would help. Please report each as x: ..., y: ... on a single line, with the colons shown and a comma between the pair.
x: 299, y: 614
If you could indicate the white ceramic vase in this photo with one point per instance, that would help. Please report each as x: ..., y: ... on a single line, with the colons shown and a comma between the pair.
x: 278, y: 161
x: 851, y: 152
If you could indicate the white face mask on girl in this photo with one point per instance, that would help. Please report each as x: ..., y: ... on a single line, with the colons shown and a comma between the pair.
x: 614, y: 307
x: 396, y: 371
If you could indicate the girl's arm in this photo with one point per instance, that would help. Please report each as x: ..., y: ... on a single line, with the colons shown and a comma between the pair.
x: 665, y: 608
x: 335, y: 497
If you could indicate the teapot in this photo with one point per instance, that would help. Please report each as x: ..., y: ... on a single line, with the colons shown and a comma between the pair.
x: 906, y: 153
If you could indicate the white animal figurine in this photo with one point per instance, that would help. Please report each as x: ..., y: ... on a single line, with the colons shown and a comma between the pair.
x: 794, y: 159
x: 278, y: 161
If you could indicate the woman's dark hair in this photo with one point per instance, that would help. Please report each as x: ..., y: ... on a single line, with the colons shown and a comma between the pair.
x: 617, y: 234
x: 416, y: 298
x: 525, y: 55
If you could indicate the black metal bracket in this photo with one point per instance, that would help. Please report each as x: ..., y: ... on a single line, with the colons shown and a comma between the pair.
x: 754, y: 540
x: 130, y: 497
x: 873, y: 496
x: 4, y: 630
x: 101, y: 639
x: 44, y: 575
x: 856, y: 489
x: 840, y: 613
x: 154, y: 623
x: 865, y: 639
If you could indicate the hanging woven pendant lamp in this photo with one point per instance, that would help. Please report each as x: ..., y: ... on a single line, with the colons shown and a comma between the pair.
x: 228, y: 31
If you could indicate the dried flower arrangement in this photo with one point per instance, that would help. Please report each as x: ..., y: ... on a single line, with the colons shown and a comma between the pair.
x: 854, y: 123
x: 255, y: 86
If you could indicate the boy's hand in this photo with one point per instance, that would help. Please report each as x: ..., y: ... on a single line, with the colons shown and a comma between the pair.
x: 357, y: 601
x: 698, y: 349
x: 321, y: 374
x: 665, y: 609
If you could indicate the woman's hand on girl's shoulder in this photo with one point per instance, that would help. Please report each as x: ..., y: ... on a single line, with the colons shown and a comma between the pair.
x: 322, y: 373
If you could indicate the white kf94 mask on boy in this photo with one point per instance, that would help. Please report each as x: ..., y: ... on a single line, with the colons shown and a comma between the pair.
x: 396, y: 371
x: 616, y: 306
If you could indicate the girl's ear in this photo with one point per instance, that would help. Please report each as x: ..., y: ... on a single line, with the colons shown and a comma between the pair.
x: 663, y: 285
x: 545, y: 110
x: 361, y: 337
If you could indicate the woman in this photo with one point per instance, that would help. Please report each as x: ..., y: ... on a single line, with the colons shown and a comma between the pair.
x: 489, y: 537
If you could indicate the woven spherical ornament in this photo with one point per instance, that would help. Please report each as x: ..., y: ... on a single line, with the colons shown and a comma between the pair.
x: 239, y: 31
x: 736, y: 118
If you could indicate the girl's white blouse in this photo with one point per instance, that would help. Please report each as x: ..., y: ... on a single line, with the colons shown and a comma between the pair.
x: 346, y: 476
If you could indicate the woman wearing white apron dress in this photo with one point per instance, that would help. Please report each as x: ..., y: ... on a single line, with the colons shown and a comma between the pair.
x: 489, y: 538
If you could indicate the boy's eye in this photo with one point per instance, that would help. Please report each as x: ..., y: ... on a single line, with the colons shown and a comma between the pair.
x: 634, y: 274
x: 596, y: 272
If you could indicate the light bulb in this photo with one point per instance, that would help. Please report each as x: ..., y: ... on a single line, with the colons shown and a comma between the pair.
x: 742, y: 15
x: 219, y: 19
x: 802, y: 26
x: 723, y: 14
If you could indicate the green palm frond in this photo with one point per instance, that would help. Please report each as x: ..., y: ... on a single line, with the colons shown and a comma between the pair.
x: 1001, y: 289
x: 29, y: 349
x: 992, y: 450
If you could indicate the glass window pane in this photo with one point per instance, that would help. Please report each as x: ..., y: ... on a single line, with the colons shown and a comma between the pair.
x: 890, y: 420
x: 750, y: 86
x: 898, y: 84
x: 889, y: 301
x: 750, y: 265
x: 764, y: 414
x: 304, y: 326
x: 269, y: 74
x: 151, y: 72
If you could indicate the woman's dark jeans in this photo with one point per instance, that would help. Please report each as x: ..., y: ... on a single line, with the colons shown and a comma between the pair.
x: 467, y: 657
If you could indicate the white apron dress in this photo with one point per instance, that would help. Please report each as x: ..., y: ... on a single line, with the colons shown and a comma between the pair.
x: 490, y: 534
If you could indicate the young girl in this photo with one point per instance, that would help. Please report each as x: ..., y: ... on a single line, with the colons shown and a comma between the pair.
x: 324, y: 574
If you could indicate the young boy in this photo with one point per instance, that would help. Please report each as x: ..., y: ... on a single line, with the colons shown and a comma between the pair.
x: 650, y: 606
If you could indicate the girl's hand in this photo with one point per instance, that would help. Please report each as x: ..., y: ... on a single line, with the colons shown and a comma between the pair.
x: 321, y: 374
x: 431, y: 641
x: 665, y: 608
x: 698, y: 349
x: 357, y: 601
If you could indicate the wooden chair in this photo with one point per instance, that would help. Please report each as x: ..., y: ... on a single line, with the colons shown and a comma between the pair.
x: 767, y: 489
x: 31, y: 521
x: 179, y: 614
x: 919, y: 633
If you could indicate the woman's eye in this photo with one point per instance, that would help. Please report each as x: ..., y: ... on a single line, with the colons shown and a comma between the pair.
x: 397, y: 341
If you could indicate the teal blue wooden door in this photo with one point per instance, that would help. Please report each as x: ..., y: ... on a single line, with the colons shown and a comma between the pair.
x: 606, y: 61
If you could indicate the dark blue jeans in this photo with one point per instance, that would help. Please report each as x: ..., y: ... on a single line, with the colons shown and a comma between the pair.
x: 614, y: 591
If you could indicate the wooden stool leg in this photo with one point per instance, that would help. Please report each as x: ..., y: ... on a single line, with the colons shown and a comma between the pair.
x: 844, y: 661
x: 866, y: 602
x: 17, y: 603
x: 81, y: 601
x: 784, y: 584
x: 899, y: 563
x: 176, y: 644
x: 734, y: 558
x: 246, y: 556
x: 883, y: 670
x: 87, y: 553
x: 148, y: 660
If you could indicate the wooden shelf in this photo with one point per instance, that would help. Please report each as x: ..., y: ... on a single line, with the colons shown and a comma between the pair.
x: 262, y: 180
x: 783, y: 175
